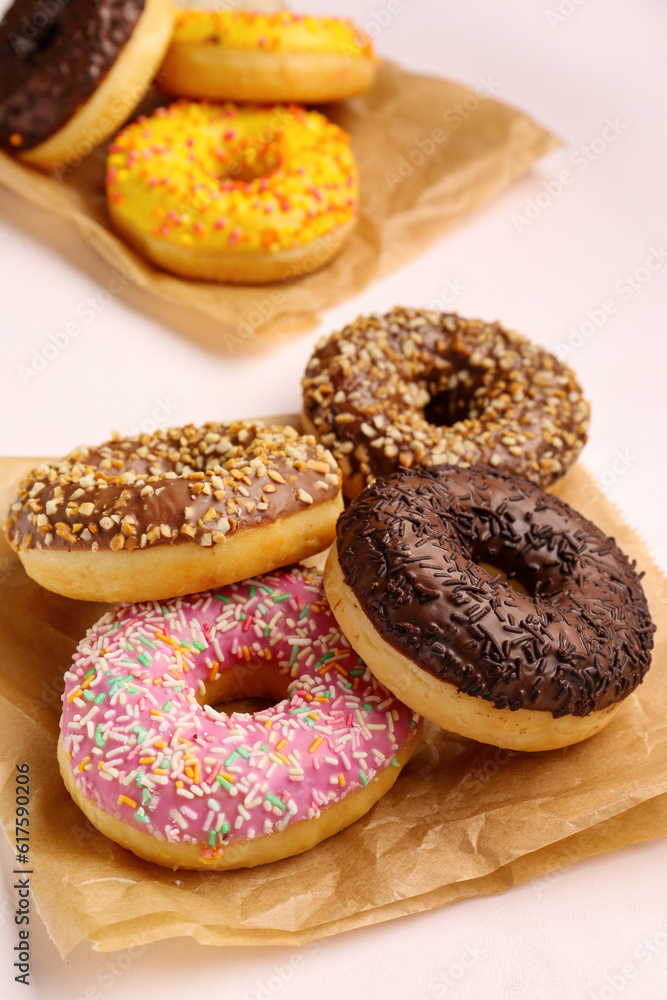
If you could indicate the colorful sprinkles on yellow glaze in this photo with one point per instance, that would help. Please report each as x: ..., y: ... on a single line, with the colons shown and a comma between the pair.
x: 238, y: 29
x: 225, y: 177
x: 148, y: 750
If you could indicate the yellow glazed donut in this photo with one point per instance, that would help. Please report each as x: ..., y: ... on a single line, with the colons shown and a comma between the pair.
x: 175, y: 512
x: 238, y: 56
x: 224, y: 193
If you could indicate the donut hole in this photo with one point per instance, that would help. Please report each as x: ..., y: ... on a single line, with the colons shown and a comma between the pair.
x: 438, y: 410
x: 533, y: 564
x: 511, y: 580
x: 452, y: 393
x: 251, y: 157
x: 246, y: 169
x: 44, y: 35
x: 445, y: 408
x: 244, y: 706
x: 248, y: 687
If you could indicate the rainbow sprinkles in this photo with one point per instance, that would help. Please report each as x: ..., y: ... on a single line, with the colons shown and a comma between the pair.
x: 199, y: 181
x: 143, y: 753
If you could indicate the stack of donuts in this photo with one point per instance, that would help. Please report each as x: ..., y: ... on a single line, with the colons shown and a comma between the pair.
x: 197, y: 533
x: 456, y: 589
x: 237, y: 181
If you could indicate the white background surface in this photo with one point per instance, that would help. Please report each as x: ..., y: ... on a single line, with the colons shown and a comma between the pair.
x: 596, y: 930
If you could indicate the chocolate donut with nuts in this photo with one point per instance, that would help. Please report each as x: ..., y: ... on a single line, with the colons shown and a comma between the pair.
x: 175, y: 512
x: 416, y: 387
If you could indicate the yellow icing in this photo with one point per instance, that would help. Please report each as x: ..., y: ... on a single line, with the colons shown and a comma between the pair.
x: 237, y: 29
x: 243, y: 178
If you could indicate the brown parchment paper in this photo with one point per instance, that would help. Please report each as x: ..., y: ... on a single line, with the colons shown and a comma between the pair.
x: 429, y: 152
x: 462, y: 820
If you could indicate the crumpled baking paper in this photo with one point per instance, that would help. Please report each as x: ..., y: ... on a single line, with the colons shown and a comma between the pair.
x: 463, y: 819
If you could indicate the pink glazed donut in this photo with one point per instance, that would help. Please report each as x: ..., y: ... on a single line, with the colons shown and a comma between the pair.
x: 161, y: 772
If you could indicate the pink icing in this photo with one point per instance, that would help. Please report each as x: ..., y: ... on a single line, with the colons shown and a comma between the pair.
x: 145, y: 751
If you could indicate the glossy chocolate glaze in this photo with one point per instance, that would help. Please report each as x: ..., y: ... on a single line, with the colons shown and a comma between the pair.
x: 53, y: 56
x: 194, y: 484
x: 409, y: 547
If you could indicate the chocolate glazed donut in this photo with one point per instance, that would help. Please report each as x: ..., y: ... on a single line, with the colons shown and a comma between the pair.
x: 529, y: 671
x: 175, y: 512
x: 52, y: 58
x: 71, y: 71
x: 417, y: 387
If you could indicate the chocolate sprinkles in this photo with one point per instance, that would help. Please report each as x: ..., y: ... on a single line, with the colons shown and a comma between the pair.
x: 409, y: 548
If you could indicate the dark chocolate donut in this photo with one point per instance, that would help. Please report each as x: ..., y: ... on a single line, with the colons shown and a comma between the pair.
x: 53, y: 56
x: 409, y: 549
x: 417, y: 387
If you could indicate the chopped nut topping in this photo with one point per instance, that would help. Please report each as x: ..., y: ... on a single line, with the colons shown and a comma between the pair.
x: 494, y: 397
x: 170, y: 487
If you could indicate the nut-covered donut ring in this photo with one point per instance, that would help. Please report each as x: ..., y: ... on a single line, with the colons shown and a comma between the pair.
x: 530, y: 671
x: 425, y: 388
x: 175, y: 512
